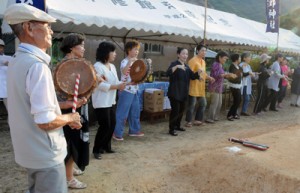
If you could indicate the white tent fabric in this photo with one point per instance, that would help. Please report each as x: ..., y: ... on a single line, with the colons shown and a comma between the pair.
x: 234, y: 28
x: 168, y: 21
x: 146, y: 20
x: 3, y: 6
x: 210, y: 54
x: 164, y: 21
x: 227, y: 27
x: 288, y: 41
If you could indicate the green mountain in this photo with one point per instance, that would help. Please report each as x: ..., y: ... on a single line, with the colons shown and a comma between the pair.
x: 250, y: 9
x: 291, y: 21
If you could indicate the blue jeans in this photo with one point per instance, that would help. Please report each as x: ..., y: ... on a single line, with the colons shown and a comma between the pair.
x: 128, y: 108
x: 246, y: 100
x: 192, y: 102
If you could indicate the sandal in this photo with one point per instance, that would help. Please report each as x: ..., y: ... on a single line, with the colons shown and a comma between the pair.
x: 97, y: 156
x: 236, y: 117
x: 230, y: 118
x: 188, y: 124
x: 209, y: 121
x: 77, y: 172
x: 198, y: 123
x: 76, y: 184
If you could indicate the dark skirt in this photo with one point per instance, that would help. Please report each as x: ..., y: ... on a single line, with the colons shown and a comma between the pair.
x: 78, y: 142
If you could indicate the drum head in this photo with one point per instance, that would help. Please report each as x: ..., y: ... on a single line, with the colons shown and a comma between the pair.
x: 139, y: 71
x: 66, y: 73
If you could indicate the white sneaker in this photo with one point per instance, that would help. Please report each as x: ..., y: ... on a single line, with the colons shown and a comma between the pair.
x: 76, y: 184
x: 77, y: 172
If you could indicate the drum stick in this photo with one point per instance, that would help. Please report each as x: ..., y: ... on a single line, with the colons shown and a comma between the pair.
x: 75, y: 93
x: 126, y: 75
x: 249, y: 144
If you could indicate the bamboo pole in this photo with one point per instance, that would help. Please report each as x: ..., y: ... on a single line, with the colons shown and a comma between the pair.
x: 205, y: 16
x: 277, y: 46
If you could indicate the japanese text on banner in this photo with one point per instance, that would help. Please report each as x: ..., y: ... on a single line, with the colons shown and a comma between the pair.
x: 272, y: 13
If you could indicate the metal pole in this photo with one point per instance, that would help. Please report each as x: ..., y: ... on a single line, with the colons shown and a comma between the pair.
x: 277, y: 49
x: 205, y: 16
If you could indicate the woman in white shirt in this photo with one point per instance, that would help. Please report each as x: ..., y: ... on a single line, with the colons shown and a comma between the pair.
x: 246, y: 89
x: 104, y: 97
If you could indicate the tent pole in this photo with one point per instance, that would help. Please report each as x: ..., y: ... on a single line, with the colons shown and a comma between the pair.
x: 124, y: 41
x: 117, y: 44
x: 277, y: 47
x: 205, y: 16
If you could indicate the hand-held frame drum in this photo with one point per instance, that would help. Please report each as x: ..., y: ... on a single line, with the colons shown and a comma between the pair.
x: 65, y: 77
x: 139, y: 71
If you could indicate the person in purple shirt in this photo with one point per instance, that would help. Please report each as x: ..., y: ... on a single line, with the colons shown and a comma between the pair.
x: 216, y: 88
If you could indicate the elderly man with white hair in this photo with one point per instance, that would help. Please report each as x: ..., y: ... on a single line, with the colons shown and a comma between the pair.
x: 34, y: 115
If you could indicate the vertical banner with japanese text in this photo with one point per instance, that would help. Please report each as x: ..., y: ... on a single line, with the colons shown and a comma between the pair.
x: 272, y: 13
x: 40, y: 4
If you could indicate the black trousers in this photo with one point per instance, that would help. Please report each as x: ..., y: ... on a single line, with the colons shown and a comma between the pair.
x: 106, y: 118
x: 271, y: 99
x: 176, y: 113
x: 262, y: 92
x: 282, y: 93
x: 237, y: 97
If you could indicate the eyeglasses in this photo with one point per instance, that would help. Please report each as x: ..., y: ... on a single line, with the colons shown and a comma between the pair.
x: 47, y: 25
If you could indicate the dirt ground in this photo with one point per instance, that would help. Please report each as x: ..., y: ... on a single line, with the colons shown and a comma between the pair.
x: 196, y: 161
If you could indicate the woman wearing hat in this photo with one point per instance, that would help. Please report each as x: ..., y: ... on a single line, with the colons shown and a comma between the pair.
x: 262, y: 89
x: 273, y: 84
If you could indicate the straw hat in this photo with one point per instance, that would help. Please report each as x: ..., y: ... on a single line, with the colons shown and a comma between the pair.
x: 264, y: 57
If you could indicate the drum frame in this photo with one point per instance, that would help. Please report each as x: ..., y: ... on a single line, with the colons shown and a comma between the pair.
x: 61, y: 84
x: 145, y: 76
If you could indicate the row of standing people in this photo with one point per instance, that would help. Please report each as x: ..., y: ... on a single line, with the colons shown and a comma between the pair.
x: 187, y: 82
x: 185, y: 86
x: 111, y: 116
x: 272, y: 83
x: 49, y: 151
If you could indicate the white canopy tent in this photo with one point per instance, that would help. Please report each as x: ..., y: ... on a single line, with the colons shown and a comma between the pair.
x: 168, y: 22
x: 288, y: 41
x: 234, y: 28
x: 164, y: 21
x: 222, y: 26
x: 151, y: 21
